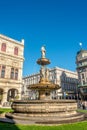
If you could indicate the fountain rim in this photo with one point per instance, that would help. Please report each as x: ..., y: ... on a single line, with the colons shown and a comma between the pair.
x: 43, y: 61
x: 44, y: 86
x: 45, y: 101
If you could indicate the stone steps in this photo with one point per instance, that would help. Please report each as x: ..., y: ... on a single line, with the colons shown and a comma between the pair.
x: 47, y: 120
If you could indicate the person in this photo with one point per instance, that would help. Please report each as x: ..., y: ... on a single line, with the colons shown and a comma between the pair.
x: 43, y: 51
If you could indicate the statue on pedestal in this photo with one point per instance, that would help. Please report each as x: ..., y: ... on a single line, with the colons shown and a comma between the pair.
x: 43, y: 51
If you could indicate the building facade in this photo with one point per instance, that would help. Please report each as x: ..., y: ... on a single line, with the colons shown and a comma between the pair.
x: 66, y: 79
x: 11, y: 65
x: 81, y: 61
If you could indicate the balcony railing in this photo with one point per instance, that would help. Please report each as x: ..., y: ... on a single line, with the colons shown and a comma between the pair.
x: 80, y: 66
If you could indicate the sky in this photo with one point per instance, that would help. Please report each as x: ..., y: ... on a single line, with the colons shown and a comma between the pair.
x: 60, y: 25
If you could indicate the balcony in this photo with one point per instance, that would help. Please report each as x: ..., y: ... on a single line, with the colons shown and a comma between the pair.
x: 80, y: 85
x: 81, y: 66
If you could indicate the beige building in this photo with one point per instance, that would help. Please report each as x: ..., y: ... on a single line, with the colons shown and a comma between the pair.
x: 81, y: 61
x: 11, y: 65
x: 67, y: 80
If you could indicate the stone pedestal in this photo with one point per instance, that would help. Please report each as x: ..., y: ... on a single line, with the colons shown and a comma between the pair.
x: 44, y: 95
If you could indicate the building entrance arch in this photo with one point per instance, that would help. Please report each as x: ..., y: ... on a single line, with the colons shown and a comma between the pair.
x: 12, y: 94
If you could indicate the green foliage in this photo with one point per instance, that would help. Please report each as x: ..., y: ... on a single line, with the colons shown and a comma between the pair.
x: 73, y: 126
x: 82, y: 111
x: 5, y: 110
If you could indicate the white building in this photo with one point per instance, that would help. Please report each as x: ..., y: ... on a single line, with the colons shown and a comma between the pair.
x: 67, y: 80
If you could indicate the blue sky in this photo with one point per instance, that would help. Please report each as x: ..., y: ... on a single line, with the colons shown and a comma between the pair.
x: 59, y: 24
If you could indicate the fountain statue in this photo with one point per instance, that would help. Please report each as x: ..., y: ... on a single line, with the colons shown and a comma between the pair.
x: 45, y: 109
x: 43, y: 51
x: 44, y: 87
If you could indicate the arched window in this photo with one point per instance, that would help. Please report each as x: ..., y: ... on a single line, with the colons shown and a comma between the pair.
x: 3, y: 47
x: 12, y: 94
x: 16, y: 51
x: 16, y: 74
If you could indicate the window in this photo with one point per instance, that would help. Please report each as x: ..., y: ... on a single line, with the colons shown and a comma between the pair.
x: 82, y: 76
x: 3, y: 71
x: 3, y: 47
x: 16, y: 74
x: 12, y: 73
x: 16, y: 51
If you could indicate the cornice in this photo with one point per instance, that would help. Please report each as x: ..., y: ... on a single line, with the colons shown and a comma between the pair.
x: 63, y: 70
x: 12, y: 40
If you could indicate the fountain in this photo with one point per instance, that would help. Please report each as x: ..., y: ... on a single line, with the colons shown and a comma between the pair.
x: 45, y: 110
x: 44, y: 87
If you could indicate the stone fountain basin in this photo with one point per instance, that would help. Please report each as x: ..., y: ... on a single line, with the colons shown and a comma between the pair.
x: 45, y: 107
x: 45, y: 111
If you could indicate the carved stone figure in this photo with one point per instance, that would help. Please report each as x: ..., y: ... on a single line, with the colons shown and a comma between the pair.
x: 46, y: 73
x: 42, y: 73
x: 43, y: 51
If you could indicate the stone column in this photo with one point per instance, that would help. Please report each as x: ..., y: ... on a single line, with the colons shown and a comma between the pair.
x: 19, y: 91
x: 4, y: 98
x: 44, y: 95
